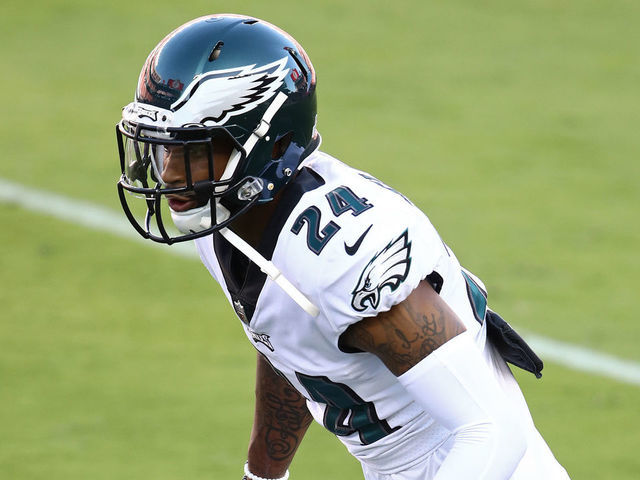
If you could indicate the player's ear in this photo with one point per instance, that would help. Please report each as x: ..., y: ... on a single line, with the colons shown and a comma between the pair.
x: 281, y: 146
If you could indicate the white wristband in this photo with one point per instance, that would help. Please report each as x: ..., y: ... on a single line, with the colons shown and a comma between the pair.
x: 252, y: 476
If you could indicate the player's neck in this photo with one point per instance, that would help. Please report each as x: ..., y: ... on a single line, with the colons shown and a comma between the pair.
x: 251, y: 226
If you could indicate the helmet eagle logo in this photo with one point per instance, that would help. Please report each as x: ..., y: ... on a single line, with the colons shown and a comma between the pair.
x: 388, y: 268
x: 216, y: 96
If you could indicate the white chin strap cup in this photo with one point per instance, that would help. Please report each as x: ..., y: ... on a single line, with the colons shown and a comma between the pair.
x: 198, y: 219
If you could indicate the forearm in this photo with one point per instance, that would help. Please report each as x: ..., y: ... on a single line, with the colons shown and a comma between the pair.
x: 454, y: 385
x: 424, y: 343
x: 280, y: 422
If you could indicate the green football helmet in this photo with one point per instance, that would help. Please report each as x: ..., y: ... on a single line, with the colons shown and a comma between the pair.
x: 217, y: 80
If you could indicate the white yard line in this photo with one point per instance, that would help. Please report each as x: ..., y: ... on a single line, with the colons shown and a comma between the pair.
x: 82, y: 213
x: 99, y: 218
x: 584, y: 359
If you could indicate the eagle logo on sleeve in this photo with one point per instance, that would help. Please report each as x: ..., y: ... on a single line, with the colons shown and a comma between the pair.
x: 388, y: 268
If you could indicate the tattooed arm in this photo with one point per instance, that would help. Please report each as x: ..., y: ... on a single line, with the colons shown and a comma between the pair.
x: 408, y: 332
x: 280, y: 422
x: 422, y: 341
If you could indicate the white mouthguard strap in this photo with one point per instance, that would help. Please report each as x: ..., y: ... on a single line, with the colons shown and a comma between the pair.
x: 272, y: 271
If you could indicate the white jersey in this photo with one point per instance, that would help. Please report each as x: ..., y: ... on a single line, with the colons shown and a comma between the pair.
x: 354, y: 247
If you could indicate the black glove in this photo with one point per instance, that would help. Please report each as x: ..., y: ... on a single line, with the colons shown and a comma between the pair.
x: 511, y: 346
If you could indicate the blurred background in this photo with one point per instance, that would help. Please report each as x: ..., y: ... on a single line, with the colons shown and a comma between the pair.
x: 513, y: 125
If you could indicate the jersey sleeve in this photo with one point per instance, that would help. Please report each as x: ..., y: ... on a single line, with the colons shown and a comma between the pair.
x: 400, y: 249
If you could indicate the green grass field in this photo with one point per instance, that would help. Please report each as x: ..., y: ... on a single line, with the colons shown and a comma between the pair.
x: 512, y: 124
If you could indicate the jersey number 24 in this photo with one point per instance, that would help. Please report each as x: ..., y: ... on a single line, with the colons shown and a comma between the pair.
x: 341, y: 200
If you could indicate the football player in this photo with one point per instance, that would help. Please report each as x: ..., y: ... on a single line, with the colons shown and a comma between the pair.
x: 361, y: 316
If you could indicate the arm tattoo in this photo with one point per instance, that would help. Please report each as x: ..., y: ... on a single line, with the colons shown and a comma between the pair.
x: 284, y: 418
x: 281, y: 420
x: 407, y: 333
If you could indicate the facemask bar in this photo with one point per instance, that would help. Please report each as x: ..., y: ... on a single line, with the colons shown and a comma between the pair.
x: 221, y: 188
x: 154, y: 139
x: 141, y: 161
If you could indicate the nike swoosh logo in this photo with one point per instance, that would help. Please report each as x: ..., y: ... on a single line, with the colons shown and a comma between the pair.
x: 351, y: 250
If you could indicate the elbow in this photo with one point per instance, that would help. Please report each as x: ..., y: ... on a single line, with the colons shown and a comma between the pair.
x: 516, y: 433
x: 509, y: 445
x: 516, y: 440
x: 521, y: 438
x: 501, y: 446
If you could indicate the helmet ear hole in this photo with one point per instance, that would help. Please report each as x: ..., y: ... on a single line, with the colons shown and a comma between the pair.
x: 281, y: 145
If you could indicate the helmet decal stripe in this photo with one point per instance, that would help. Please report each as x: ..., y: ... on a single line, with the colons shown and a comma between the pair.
x: 216, y: 96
